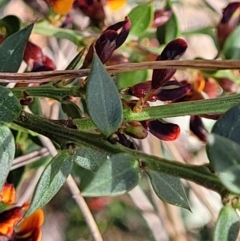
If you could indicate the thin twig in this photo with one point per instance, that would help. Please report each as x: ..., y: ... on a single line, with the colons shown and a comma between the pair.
x: 29, y: 158
x: 84, y: 208
x: 48, y: 76
x: 76, y: 194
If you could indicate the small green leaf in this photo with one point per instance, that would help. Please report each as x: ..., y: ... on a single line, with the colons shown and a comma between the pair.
x: 128, y: 79
x: 35, y: 107
x: 141, y: 17
x: 47, y: 29
x: 7, y: 152
x: 75, y: 61
x: 10, y: 107
x: 103, y: 101
x: 12, y: 49
x: 117, y: 175
x: 231, y: 48
x: 170, y: 30
x: 11, y: 23
x: 169, y: 189
x: 51, y: 180
x: 228, y: 125
x: 71, y: 109
x: 225, y: 160
x: 89, y: 158
x: 227, y: 227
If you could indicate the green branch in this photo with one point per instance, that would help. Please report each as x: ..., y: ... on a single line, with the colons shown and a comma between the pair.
x: 65, y: 136
x: 198, y: 107
x: 49, y: 91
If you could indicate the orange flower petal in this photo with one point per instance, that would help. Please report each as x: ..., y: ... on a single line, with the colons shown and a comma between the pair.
x: 62, y: 6
x: 116, y: 4
x: 32, y: 222
x: 8, y: 194
x: 8, y: 219
x: 30, y: 228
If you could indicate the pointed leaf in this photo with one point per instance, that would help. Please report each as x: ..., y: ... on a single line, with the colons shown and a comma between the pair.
x: 51, y: 180
x: 228, y: 125
x: 11, y: 23
x: 117, y: 175
x: 89, y: 158
x: 12, y: 49
x: 227, y: 227
x: 169, y: 189
x: 170, y: 30
x: 10, y: 107
x: 7, y: 152
x: 231, y: 48
x: 141, y: 17
x: 103, y: 102
x: 225, y: 160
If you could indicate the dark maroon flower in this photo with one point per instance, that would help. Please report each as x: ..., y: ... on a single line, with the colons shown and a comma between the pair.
x: 140, y: 90
x: 161, y: 16
x: 108, y: 41
x: 197, y: 128
x: 173, y: 90
x: 32, y: 53
x: 230, y: 20
x: 163, y: 130
x: 173, y: 51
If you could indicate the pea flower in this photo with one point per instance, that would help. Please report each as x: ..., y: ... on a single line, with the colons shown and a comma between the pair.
x: 108, y: 41
x: 13, y: 227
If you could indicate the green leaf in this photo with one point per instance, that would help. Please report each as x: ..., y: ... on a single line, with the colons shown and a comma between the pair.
x: 47, y: 29
x: 231, y: 47
x: 12, y: 50
x: 75, y: 61
x: 7, y: 152
x: 141, y: 17
x: 169, y: 189
x: 51, y: 180
x: 170, y: 30
x: 227, y: 227
x: 89, y: 158
x: 103, y: 101
x: 10, y: 107
x: 128, y: 79
x: 11, y: 23
x: 35, y: 107
x: 117, y: 175
x: 228, y: 125
x: 225, y: 160
x: 71, y: 109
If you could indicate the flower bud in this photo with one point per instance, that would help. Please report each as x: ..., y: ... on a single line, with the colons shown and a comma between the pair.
x: 173, y: 90
x: 230, y: 20
x: 163, y: 130
x: 197, y: 128
x: 173, y: 51
x: 135, y: 130
x: 108, y: 41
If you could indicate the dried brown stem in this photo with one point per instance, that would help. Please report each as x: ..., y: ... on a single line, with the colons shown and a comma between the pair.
x: 48, y: 76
